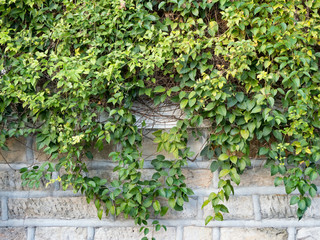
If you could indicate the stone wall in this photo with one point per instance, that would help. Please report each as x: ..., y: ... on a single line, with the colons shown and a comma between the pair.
x: 258, y: 210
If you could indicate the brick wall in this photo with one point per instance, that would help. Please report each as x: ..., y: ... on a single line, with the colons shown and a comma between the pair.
x: 258, y: 210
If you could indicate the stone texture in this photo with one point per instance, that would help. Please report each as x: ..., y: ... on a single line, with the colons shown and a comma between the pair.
x: 50, y: 207
x: 277, y: 206
x: 190, y: 210
x: 149, y: 148
x: 132, y: 233
x: 199, y: 233
x: 253, y: 234
x: 11, y: 180
x: 41, y: 156
x: 198, y: 178
x: 17, y: 151
x: 257, y: 177
x: 308, y: 233
x: 13, y: 233
x: 240, y: 207
x: 60, y: 233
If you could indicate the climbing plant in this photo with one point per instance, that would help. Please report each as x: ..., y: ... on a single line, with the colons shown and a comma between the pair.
x: 250, y: 68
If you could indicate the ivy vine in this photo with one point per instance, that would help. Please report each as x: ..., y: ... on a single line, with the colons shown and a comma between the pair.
x: 250, y: 68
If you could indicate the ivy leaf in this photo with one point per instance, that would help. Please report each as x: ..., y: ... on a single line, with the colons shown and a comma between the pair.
x: 244, y: 134
x: 223, y: 157
x: 183, y: 103
x: 156, y: 206
x: 222, y: 110
x: 208, y: 219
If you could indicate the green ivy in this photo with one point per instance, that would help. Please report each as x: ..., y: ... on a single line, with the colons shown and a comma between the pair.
x: 250, y: 68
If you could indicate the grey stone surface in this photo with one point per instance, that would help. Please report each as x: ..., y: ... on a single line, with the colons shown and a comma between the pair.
x: 277, y: 206
x: 132, y: 233
x: 17, y: 151
x: 198, y: 178
x: 257, y: 176
x: 253, y: 234
x: 240, y: 207
x: 60, y: 233
x: 50, y: 207
x: 11, y: 180
x: 189, y: 211
x: 308, y: 233
x: 199, y: 233
x: 13, y: 233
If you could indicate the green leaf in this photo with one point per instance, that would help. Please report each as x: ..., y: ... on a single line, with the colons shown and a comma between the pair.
x: 277, y: 181
x: 192, y: 102
x: 161, y: 5
x: 245, y: 134
x: 183, y: 103
x: 208, y: 219
x: 172, y: 202
x: 224, y: 172
x: 294, y: 200
x: 210, y: 106
x: 131, y: 139
x: 222, y: 110
x: 214, y: 166
x: 240, y: 96
x: 156, y: 206
x: 223, y: 157
x: 159, y: 89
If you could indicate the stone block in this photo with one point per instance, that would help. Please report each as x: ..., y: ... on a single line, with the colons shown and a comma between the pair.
x: 189, y: 211
x: 240, y: 207
x: 41, y: 156
x: 17, y: 151
x: 132, y: 233
x: 11, y: 180
x: 149, y: 148
x: 277, y: 206
x: 9, y: 233
x: 60, y: 233
x: 50, y: 207
x: 253, y: 234
x: 199, y: 233
x: 198, y: 178
x: 308, y: 233
x: 257, y: 177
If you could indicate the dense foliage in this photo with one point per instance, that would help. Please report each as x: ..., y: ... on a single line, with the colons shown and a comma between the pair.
x: 250, y: 68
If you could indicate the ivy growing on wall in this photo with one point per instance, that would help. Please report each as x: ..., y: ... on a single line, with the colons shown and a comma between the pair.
x: 250, y: 68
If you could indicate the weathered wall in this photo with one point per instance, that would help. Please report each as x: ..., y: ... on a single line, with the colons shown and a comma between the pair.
x: 257, y: 211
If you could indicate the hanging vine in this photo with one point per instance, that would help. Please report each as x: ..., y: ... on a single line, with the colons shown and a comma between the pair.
x: 250, y: 68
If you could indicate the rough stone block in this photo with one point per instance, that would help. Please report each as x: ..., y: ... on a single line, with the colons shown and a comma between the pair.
x: 308, y: 233
x: 279, y: 207
x: 149, y: 148
x: 253, y: 234
x: 11, y: 180
x: 198, y: 178
x: 41, y: 156
x: 240, y: 207
x: 17, y: 151
x: 132, y: 233
x: 190, y: 210
x: 257, y: 176
x: 50, y: 207
x: 13, y: 233
x: 60, y: 233
x: 199, y: 233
